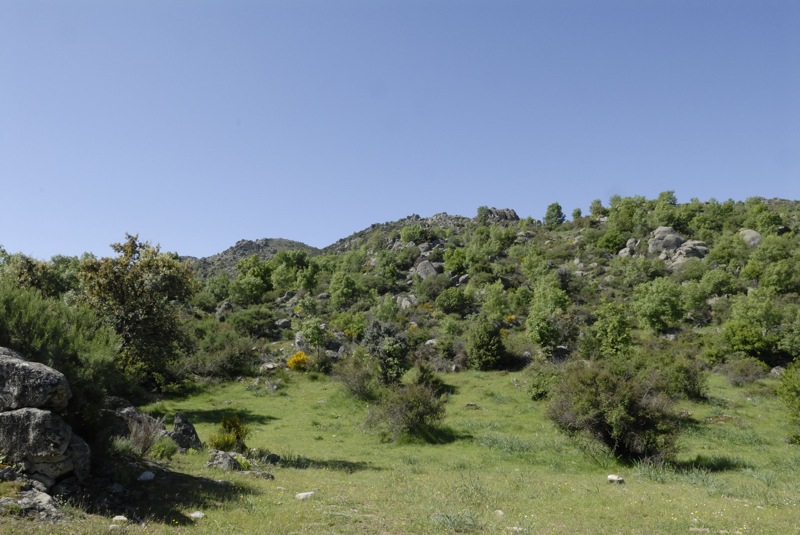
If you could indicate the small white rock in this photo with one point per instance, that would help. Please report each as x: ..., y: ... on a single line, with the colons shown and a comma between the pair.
x: 119, y: 519
x: 115, y: 527
x: 280, y: 488
x: 146, y: 476
x: 197, y: 515
x: 613, y: 478
x: 304, y: 495
x: 498, y: 512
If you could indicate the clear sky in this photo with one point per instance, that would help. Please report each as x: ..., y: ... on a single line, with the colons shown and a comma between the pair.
x: 198, y: 123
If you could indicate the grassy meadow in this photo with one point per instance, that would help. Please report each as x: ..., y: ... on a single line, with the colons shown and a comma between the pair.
x: 497, y: 465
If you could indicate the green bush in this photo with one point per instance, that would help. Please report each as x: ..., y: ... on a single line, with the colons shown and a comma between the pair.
x: 384, y: 343
x: 231, y: 436
x: 359, y: 373
x: 484, y: 346
x: 658, y: 304
x: 414, y: 409
x: 625, y: 412
x: 789, y: 392
x: 744, y: 371
x: 71, y: 340
x: 414, y: 233
x: 454, y: 301
x: 542, y: 377
x: 255, y: 322
x: 164, y: 449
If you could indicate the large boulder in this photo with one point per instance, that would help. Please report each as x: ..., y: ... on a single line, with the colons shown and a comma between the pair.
x: 184, y: 433
x: 751, y: 237
x: 30, y: 384
x: 33, y: 434
x: 664, y: 239
x: 223, y: 460
x: 426, y: 268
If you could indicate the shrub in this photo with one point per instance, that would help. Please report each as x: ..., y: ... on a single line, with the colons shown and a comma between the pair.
x: 454, y: 301
x: 255, y: 322
x: 658, y: 304
x: 542, y: 377
x: 414, y: 233
x: 548, y: 306
x: 789, y: 392
x: 359, y: 374
x: 164, y: 449
x: 123, y: 447
x: 413, y: 409
x: 625, y: 412
x: 231, y: 436
x: 744, y: 371
x: 484, y: 346
x: 428, y: 290
x: 146, y: 432
x: 382, y: 342
x: 69, y: 340
x: 299, y: 362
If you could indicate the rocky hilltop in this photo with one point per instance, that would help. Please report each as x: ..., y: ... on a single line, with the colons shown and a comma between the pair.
x: 441, y: 220
x: 226, y: 261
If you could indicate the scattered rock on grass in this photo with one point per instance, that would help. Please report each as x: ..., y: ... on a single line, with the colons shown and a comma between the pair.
x: 304, y: 495
x: 613, y: 478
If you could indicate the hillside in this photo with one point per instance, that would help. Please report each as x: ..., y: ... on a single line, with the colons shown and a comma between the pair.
x: 225, y: 262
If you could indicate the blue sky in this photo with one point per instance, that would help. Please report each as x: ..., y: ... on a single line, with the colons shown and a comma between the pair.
x: 198, y: 123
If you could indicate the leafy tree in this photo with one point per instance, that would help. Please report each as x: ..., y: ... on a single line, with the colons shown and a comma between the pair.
x: 596, y: 208
x: 658, y: 304
x: 248, y: 289
x: 455, y: 260
x: 218, y: 286
x: 484, y: 346
x: 134, y: 293
x: 549, y: 304
x: 612, y: 329
x: 344, y: 290
x: 576, y: 214
x: 314, y: 334
x: 554, y: 216
x: 495, y: 301
x: 386, y: 310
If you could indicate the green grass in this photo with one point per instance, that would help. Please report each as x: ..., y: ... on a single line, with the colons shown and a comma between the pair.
x: 499, y: 454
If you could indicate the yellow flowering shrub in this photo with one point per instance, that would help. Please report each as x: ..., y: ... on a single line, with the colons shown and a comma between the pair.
x: 299, y: 362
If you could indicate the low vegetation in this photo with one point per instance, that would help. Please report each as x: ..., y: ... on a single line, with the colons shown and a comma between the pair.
x: 423, y: 375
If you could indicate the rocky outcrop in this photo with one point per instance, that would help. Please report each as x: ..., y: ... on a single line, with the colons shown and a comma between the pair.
x: 664, y: 239
x: 499, y: 215
x: 41, y: 445
x: 184, y: 433
x: 30, y: 384
x: 751, y: 237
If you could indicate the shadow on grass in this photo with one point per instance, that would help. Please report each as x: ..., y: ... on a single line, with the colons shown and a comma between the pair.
x: 214, y: 416
x: 292, y: 460
x: 164, y: 499
x: 715, y: 463
x: 435, y: 435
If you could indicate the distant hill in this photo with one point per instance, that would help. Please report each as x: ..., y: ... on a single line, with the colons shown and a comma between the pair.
x: 226, y: 261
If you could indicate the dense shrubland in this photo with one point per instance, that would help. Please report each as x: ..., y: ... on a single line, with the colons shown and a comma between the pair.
x: 611, y: 330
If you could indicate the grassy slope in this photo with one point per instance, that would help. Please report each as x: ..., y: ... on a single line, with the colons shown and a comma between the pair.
x: 734, y: 476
